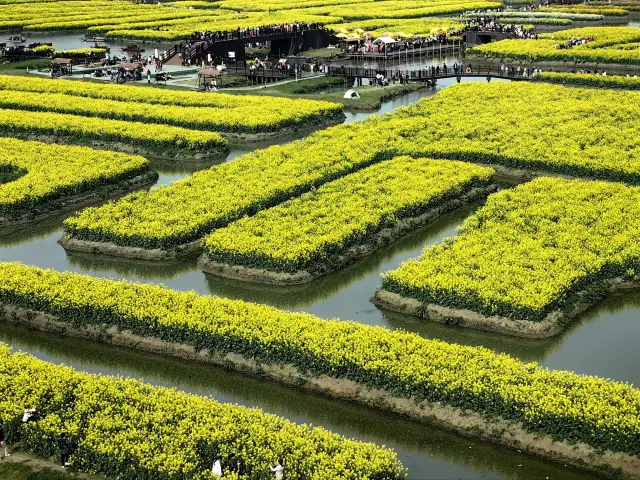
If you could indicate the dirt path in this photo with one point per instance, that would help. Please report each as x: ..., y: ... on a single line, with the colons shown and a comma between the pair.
x: 37, y: 464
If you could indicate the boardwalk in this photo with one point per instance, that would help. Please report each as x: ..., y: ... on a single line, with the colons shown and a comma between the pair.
x: 432, y: 51
x: 221, y: 43
x: 423, y: 75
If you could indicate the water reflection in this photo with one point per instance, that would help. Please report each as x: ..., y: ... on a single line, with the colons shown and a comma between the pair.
x: 427, y: 452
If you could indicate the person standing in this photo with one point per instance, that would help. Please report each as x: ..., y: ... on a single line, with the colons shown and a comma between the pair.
x: 63, y: 449
x: 217, y: 468
x: 148, y: 75
x: 3, y: 444
x: 278, y: 470
x: 28, y: 415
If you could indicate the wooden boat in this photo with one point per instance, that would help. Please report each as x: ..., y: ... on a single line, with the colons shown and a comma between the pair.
x: 91, y: 38
x: 101, y: 45
x: 16, y: 39
x: 132, y: 49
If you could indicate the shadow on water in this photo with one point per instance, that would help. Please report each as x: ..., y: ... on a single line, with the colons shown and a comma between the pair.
x: 428, y: 453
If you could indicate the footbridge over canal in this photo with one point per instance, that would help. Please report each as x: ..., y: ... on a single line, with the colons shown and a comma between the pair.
x: 231, y: 44
x: 429, y: 76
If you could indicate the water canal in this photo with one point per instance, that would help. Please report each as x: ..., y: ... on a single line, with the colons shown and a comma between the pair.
x: 600, y: 342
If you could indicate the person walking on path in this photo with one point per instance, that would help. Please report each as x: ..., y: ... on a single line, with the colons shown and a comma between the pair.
x: 64, y: 450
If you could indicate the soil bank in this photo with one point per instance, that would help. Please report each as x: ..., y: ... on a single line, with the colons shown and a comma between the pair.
x: 350, y: 255
x: 551, y: 325
x: 467, y: 422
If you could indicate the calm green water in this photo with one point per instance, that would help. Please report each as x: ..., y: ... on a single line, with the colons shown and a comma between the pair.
x: 602, y: 342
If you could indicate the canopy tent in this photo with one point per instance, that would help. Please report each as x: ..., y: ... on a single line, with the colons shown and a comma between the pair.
x: 209, y: 73
x: 384, y: 39
x: 61, y: 66
x: 351, y: 94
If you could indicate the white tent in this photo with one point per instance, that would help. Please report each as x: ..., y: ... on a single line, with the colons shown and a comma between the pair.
x: 385, y: 40
x: 351, y: 93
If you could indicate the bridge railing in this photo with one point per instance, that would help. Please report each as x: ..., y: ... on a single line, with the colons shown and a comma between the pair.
x: 422, y: 74
x: 202, y: 46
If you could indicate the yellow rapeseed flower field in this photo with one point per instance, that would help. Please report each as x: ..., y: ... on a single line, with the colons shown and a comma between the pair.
x: 581, y: 132
x: 607, y: 47
x: 577, y: 408
x: 128, y: 429
x: 531, y: 250
x: 312, y: 231
x: 38, y: 174
x: 192, y: 110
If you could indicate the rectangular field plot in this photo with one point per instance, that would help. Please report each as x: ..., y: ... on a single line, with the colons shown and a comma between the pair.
x: 40, y: 179
x: 343, y: 220
x: 126, y: 427
x: 471, y: 389
x: 528, y: 260
x: 229, y: 114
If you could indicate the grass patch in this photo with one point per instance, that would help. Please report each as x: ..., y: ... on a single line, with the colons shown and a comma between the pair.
x: 319, y: 52
x: 18, y: 471
x: 20, y: 68
x: 371, y: 98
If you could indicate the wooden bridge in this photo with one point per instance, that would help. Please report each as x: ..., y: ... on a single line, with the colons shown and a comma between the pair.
x: 231, y: 44
x: 424, y: 75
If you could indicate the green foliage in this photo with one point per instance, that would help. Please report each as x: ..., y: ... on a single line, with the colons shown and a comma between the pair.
x: 129, y: 430
x: 312, y: 231
x: 529, y: 251
x: 577, y: 408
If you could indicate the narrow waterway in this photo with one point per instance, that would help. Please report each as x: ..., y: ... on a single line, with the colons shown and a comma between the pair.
x: 601, y: 342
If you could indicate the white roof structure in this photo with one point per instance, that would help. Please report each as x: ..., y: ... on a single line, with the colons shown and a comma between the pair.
x: 384, y: 40
x: 351, y: 93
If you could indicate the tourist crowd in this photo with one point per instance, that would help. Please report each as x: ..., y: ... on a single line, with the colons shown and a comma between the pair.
x: 492, y: 24
x: 366, y: 45
x: 240, y: 33
x: 573, y: 42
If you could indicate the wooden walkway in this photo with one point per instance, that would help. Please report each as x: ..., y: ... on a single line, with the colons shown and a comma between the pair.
x: 423, y: 75
x: 436, y: 50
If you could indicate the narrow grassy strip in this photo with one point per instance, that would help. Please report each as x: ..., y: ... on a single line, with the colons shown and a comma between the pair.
x: 541, y: 244
x: 550, y: 128
x: 226, y: 112
x: 590, y: 80
x: 311, y: 232
x: 131, y: 430
x: 35, y: 174
x: 162, y: 140
x: 577, y: 408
